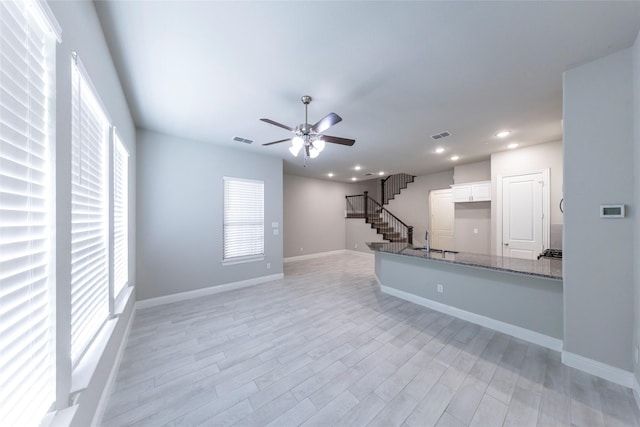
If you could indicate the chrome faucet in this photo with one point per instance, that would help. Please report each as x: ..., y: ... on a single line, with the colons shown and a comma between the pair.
x: 427, y: 246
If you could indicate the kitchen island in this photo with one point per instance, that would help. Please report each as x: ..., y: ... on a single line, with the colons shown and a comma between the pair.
x: 519, y: 297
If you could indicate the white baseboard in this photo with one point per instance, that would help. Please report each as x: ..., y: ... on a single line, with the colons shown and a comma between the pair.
x: 316, y: 255
x: 496, y: 325
x: 167, y: 299
x: 106, y: 392
x: 636, y: 391
x: 370, y: 255
x: 602, y: 370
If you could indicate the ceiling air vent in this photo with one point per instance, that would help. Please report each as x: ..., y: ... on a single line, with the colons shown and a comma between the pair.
x: 441, y: 135
x: 246, y: 141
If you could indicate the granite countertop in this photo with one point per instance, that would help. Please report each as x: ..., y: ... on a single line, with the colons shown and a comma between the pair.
x: 544, y: 267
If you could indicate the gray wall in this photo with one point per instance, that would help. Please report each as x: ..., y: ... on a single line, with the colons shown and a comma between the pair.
x: 598, y: 262
x: 473, y: 216
x: 472, y: 172
x: 636, y: 170
x: 535, y: 157
x: 358, y: 233
x: 81, y: 32
x: 528, y: 302
x: 470, y: 217
x: 313, y: 215
x: 370, y: 185
x: 180, y: 212
x: 412, y: 204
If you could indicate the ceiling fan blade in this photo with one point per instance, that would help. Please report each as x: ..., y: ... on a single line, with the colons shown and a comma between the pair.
x: 280, y: 125
x: 277, y: 142
x: 338, y: 140
x: 326, y: 122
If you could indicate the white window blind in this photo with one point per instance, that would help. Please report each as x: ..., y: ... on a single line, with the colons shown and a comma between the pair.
x: 243, y: 218
x: 27, y: 55
x: 89, y: 214
x: 120, y: 216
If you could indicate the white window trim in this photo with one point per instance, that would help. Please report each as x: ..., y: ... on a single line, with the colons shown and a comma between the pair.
x: 243, y: 258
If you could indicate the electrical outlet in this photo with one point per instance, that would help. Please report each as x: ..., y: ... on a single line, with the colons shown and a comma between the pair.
x: 268, y: 265
x: 475, y: 231
x: 301, y: 249
x: 440, y: 288
x: 355, y: 246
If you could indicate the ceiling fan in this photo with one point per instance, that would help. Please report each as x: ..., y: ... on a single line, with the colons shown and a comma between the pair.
x: 310, y: 137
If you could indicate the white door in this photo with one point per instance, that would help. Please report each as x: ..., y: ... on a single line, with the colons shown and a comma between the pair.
x: 523, y: 215
x: 441, y: 224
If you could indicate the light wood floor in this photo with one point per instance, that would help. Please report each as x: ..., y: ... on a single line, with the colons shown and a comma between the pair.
x: 324, y: 347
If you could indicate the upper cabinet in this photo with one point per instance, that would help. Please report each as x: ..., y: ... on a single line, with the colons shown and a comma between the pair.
x: 472, y: 192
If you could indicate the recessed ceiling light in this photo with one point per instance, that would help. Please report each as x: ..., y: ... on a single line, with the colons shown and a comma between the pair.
x: 357, y: 167
x: 381, y: 173
x: 512, y: 145
x: 503, y: 134
x: 330, y: 174
x: 439, y: 150
x: 454, y: 158
x: 353, y: 178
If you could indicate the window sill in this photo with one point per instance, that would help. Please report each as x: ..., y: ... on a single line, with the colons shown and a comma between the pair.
x: 242, y: 260
x: 121, y: 301
x: 83, y: 372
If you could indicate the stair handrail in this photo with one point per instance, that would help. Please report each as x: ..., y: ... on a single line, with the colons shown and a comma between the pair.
x: 366, y: 202
x: 398, y: 182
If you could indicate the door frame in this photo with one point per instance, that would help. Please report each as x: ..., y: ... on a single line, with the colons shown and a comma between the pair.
x: 546, y: 210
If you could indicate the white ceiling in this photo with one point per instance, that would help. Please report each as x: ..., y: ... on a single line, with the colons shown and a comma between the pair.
x: 397, y: 73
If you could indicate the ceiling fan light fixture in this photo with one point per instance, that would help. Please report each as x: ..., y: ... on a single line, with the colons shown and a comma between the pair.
x: 295, y: 150
x: 313, y: 152
x: 297, y: 142
x: 319, y: 145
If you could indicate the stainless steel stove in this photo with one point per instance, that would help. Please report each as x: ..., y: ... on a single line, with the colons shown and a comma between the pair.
x: 551, y: 253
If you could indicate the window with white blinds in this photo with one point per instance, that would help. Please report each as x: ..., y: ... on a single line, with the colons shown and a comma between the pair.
x: 120, y: 216
x: 27, y: 58
x: 89, y: 214
x: 243, y: 219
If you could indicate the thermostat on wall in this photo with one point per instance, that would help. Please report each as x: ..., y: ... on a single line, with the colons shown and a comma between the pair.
x: 611, y: 211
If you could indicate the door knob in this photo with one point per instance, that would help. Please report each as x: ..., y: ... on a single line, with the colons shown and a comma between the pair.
x: 506, y: 244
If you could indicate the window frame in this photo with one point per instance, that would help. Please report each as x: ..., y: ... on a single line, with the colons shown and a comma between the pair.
x: 250, y: 257
x: 95, y: 106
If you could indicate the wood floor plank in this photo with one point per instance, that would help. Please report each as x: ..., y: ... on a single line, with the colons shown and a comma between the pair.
x: 324, y: 346
x: 490, y: 412
x: 586, y: 408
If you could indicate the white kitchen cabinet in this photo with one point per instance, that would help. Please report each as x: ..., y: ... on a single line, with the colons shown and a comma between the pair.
x: 472, y: 192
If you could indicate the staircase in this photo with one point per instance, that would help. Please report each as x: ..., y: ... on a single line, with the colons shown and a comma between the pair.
x: 384, y: 222
x: 393, y: 185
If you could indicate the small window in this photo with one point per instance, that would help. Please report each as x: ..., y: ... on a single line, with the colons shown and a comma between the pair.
x: 243, y: 220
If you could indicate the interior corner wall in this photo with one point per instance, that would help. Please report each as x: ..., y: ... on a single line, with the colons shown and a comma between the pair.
x: 180, y: 214
x: 412, y: 204
x: 598, y: 169
x: 314, y: 211
x: 535, y: 157
x: 636, y: 170
x: 82, y: 33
